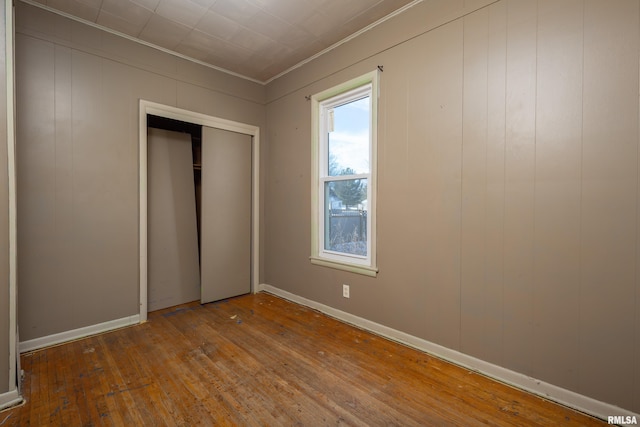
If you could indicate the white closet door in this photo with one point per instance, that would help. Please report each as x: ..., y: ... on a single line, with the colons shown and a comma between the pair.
x: 174, y: 276
x: 225, y: 222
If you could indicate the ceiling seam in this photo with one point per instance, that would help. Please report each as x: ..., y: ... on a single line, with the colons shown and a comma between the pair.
x: 139, y: 41
x: 214, y: 67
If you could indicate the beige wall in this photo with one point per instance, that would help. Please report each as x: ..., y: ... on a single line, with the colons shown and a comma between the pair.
x: 4, y: 216
x: 77, y: 134
x: 508, y: 186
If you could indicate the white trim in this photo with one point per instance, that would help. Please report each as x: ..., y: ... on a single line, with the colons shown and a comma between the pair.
x: 548, y: 391
x: 9, y: 399
x: 11, y: 171
x: 148, y: 107
x: 76, y: 334
x: 364, y: 85
x: 353, y: 268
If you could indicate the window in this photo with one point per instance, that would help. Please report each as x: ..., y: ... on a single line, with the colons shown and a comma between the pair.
x: 344, y: 176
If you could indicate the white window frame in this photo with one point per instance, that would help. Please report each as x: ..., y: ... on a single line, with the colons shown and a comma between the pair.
x: 321, y: 102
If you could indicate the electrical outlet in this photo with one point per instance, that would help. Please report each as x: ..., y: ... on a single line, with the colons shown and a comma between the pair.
x: 345, y: 291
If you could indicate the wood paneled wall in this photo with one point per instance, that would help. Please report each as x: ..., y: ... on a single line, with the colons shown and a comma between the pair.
x: 508, y: 186
x: 78, y: 91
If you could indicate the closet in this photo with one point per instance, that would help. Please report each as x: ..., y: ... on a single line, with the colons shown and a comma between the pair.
x: 199, y: 213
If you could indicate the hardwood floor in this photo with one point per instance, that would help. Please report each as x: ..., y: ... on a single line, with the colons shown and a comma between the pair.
x: 260, y: 360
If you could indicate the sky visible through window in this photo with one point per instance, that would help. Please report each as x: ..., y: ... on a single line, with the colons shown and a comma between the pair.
x: 349, y: 142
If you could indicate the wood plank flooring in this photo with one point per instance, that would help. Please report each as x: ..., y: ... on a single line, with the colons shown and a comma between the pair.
x: 260, y: 360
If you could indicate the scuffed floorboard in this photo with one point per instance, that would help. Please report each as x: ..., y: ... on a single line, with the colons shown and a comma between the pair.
x: 260, y: 360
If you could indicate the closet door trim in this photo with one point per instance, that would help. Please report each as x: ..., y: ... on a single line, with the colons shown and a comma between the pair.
x: 148, y: 107
x: 11, y: 396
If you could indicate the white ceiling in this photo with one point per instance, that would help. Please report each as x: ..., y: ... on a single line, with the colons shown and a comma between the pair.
x: 258, y: 39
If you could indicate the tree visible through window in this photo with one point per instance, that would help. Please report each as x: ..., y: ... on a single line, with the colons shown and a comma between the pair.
x: 348, y: 137
x: 344, y: 139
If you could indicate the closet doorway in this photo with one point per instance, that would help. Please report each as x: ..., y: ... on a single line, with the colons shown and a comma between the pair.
x: 199, y: 192
x: 173, y: 207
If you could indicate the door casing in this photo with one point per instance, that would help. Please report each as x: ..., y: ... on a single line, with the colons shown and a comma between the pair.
x: 148, y: 107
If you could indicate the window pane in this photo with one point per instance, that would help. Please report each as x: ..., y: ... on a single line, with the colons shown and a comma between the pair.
x: 346, y: 216
x: 349, y: 140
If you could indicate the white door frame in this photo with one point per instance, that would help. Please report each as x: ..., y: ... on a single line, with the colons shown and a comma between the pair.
x: 148, y: 107
x: 12, y: 395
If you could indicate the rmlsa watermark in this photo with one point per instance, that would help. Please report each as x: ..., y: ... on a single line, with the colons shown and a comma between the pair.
x: 623, y: 420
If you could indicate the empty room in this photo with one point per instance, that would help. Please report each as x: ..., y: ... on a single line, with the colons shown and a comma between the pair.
x: 320, y: 212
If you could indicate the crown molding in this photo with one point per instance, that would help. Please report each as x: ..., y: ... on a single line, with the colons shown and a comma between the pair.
x: 214, y: 67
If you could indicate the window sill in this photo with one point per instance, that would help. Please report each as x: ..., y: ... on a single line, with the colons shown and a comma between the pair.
x: 352, y: 268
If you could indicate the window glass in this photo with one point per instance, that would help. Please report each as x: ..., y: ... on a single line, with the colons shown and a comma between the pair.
x: 349, y: 138
x: 346, y: 217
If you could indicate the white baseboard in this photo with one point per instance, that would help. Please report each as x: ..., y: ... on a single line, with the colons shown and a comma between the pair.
x: 9, y: 399
x: 548, y: 391
x: 75, y: 334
